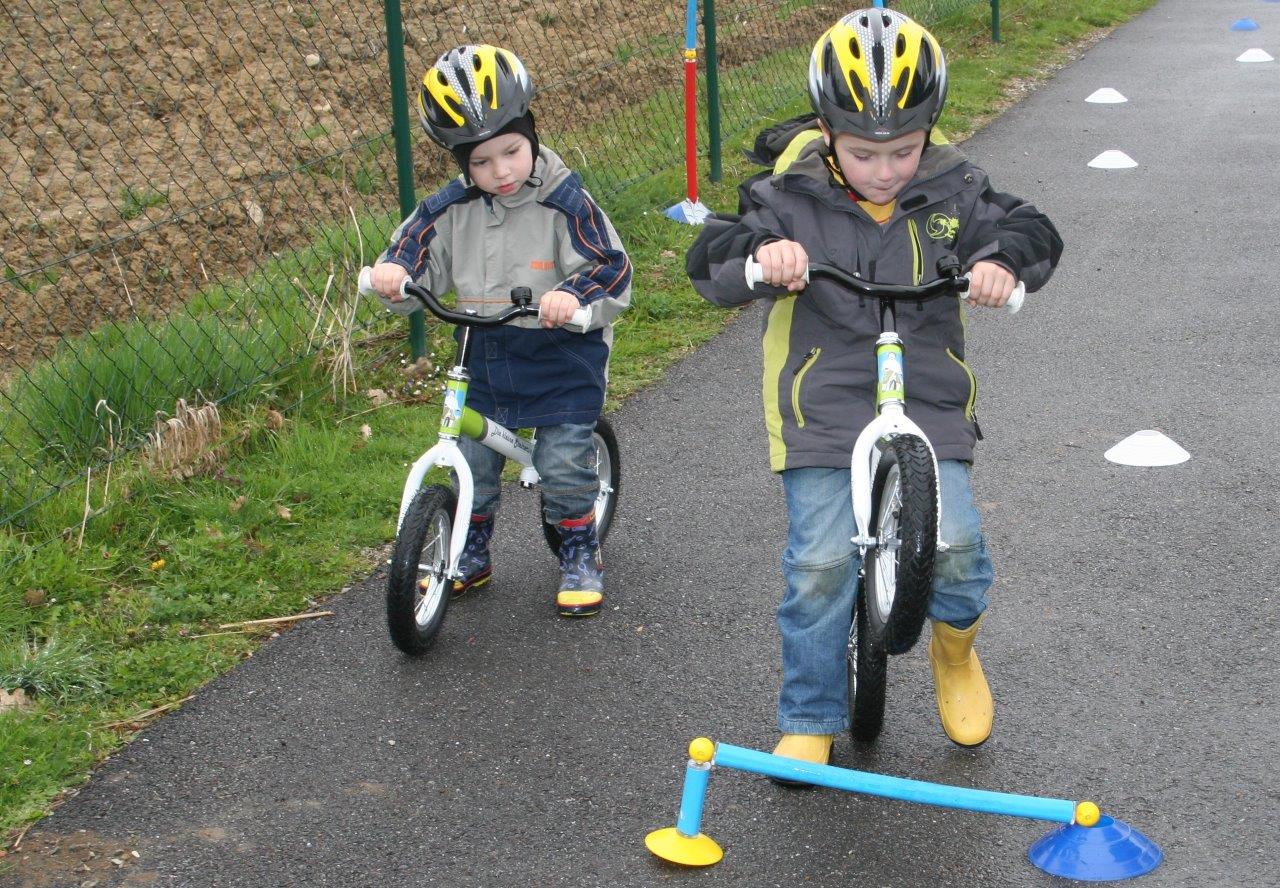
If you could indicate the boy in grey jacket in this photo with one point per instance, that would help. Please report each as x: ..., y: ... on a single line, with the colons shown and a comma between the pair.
x: 874, y: 196
x: 517, y: 216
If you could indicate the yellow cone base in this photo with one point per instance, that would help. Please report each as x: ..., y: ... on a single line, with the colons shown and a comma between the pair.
x: 671, y: 845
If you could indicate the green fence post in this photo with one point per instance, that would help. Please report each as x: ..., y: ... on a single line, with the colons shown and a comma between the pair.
x: 995, y: 20
x: 713, y: 87
x: 404, y: 147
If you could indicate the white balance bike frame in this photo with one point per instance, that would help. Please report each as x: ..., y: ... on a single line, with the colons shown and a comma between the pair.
x: 446, y: 454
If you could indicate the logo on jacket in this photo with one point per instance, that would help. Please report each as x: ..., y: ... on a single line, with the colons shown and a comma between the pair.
x: 942, y: 227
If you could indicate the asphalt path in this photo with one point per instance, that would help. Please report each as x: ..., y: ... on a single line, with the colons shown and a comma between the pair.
x: 1131, y: 642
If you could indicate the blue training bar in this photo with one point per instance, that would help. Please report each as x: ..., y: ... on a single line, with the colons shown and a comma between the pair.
x: 1034, y: 807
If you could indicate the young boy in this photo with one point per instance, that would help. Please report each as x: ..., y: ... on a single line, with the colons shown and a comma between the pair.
x: 517, y: 216
x: 869, y: 196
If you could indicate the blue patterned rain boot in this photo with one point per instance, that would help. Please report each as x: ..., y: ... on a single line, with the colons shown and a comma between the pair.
x: 474, y: 565
x: 581, y: 568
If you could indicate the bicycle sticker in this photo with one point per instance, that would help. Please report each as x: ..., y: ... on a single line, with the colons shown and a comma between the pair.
x: 451, y: 414
x: 891, y: 385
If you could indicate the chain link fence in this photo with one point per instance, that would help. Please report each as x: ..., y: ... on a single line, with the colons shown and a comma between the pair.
x: 190, y: 186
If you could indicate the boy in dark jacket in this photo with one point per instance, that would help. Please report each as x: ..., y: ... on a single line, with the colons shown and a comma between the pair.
x: 517, y: 216
x: 872, y: 196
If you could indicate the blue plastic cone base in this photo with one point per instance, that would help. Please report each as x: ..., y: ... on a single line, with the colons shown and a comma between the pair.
x: 1111, y: 850
x: 1244, y: 24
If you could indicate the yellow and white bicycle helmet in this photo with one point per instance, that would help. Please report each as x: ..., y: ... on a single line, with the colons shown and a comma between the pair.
x: 877, y: 74
x: 471, y: 93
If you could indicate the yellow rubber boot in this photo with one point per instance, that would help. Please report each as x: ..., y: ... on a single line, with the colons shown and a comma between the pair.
x: 964, y: 699
x: 815, y: 748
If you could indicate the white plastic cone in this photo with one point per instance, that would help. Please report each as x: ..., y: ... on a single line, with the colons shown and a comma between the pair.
x: 1106, y: 96
x: 1147, y: 448
x: 1255, y: 55
x: 689, y: 212
x: 1113, y: 160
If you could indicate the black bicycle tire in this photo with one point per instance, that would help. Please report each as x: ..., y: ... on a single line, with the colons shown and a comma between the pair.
x: 610, y: 440
x: 918, y: 536
x: 867, y: 676
x: 402, y: 579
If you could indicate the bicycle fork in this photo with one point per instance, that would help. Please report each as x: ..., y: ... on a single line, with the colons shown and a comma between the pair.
x: 891, y: 421
x: 456, y: 420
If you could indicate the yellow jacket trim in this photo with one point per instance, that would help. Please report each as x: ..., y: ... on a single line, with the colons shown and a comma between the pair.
x: 809, y: 361
x: 917, y: 255
x: 777, y: 342
x: 973, y: 385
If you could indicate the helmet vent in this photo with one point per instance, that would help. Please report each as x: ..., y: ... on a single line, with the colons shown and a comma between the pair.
x: 901, y: 46
x: 865, y: 22
x: 453, y: 106
x: 877, y: 59
x: 855, y: 47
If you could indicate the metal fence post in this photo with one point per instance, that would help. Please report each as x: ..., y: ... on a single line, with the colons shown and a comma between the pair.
x: 995, y: 20
x: 404, y: 147
x: 713, y: 87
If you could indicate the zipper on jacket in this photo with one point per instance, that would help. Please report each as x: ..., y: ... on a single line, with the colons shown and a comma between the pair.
x: 973, y: 387
x: 917, y: 255
x: 809, y: 360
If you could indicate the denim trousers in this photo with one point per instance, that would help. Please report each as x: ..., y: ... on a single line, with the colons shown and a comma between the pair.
x: 565, y: 457
x: 821, y: 567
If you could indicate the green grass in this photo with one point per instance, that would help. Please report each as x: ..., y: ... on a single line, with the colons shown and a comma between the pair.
x: 54, y: 670
x: 104, y: 628
x: 34, y: 282
x: 136, y: 201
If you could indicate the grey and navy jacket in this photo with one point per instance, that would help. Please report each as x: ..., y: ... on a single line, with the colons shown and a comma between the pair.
x: 549, y: 235
x: 819, y: 344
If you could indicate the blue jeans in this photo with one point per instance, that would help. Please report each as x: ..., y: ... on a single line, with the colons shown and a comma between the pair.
x: 565, y: 457
x: 821, y: 569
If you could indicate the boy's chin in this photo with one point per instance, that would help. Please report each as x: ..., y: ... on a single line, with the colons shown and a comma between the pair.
x: 879, y: 196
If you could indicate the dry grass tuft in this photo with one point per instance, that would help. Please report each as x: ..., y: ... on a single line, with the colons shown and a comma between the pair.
x: 185, y: 444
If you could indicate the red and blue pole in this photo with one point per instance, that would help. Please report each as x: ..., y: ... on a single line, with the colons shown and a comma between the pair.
x: 690, y: 210
x: 691, y: 100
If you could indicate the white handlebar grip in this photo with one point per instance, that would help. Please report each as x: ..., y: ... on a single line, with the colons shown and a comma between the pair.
x: 1015, y: 298
x: 1014, y: 302
x: 755, y: 273
x: 365, y: 285
x: 581, y: 318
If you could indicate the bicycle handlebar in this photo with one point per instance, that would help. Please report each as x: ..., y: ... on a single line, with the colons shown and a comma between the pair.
x: 408, y: 289
x: 942, y: 286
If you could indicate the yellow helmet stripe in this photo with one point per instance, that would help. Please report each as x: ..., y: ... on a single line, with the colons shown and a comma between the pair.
x: 913, y: 35
x: 841, y: 36
x: 487, y: 73
x: 445, y: 96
